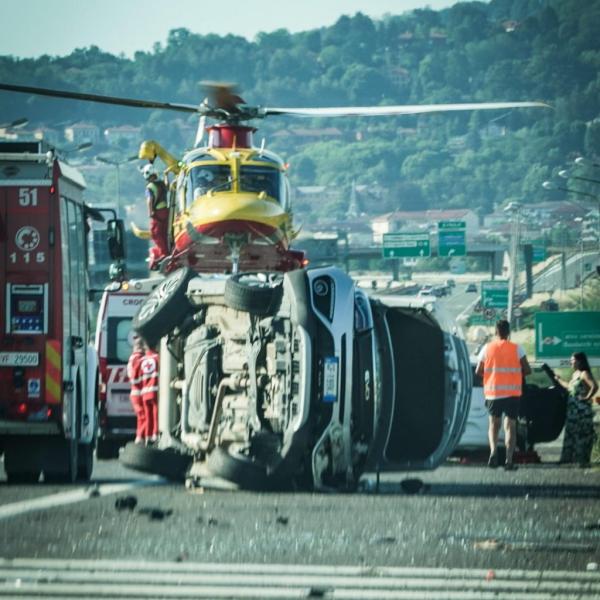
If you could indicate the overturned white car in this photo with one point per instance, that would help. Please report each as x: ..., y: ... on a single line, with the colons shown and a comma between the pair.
x: 298, y: 380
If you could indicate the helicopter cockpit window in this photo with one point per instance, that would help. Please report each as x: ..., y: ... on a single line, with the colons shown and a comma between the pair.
x: 205, y: 178
x: 260, y: 179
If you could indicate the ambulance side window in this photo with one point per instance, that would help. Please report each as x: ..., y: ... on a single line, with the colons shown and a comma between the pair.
x: 118, y: 340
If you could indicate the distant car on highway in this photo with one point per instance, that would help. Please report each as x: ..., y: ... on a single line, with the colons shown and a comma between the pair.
x: 429, y: 293
x: 471, y: 287
x: 450, y: 283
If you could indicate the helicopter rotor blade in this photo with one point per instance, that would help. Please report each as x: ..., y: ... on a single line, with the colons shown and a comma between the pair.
x: 376, y: 111
x: 222, y: 95
x: 99, y: 98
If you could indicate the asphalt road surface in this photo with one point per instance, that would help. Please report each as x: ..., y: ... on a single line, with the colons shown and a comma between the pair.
x: 468, y: 523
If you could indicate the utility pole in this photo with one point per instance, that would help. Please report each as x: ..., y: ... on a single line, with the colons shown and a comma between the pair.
x: 514, y: 209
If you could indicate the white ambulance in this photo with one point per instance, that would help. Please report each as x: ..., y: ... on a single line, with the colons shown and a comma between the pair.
x: 114, y: 342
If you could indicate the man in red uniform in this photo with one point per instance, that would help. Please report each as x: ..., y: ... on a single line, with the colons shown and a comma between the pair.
x: 156, y: 200
x: 149, y: 372
x: 503, y: 366
x: 135, y: 395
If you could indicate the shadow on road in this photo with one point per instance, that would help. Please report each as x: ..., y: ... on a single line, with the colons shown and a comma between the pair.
x: 490, y: 490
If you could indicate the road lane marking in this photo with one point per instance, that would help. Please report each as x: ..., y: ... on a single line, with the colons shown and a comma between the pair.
x: 109, y: 578
x: 71, y: 497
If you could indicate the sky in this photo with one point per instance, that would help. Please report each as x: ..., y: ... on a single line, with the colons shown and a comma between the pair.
x: 31, y: 28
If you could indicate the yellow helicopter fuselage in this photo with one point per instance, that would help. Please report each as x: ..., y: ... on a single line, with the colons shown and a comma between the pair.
x: 232, y: 202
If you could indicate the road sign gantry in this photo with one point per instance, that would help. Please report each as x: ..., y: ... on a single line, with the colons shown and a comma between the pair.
x: 410, y: 244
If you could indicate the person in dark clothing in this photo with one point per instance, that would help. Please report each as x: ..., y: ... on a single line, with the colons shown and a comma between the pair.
x: 579, y: 434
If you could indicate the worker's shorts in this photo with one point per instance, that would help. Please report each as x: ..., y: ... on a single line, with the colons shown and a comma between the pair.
x: 508, y: 406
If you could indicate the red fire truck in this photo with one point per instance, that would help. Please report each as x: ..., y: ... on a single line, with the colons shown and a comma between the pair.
x: 48, y: 367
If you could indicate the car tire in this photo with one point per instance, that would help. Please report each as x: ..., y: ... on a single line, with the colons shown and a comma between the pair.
x: 168, y: 462
x: 223, y: 462
x: 257, y: 293
x: 165, y: 307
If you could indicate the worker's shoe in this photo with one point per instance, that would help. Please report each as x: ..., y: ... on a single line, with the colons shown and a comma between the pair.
x: 510, y: 466
x: 493, y: 461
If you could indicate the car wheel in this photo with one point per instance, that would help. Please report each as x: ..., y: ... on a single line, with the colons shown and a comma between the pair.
x: 168, y: 462
x: 228, y: 464
x: 257, y: 293
x: 165, y: 307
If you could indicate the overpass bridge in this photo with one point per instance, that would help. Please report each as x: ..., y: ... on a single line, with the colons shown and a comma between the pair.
x: 334, y: 249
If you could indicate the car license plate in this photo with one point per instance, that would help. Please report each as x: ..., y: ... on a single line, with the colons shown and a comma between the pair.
x: 330, y: 378
x: 19, y: 359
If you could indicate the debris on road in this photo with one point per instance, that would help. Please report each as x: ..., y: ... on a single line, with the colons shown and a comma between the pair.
x: 126, y: 503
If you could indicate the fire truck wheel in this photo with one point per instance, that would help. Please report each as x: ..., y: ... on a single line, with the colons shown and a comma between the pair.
x: 61, y: 463
x: 168, y: 462
x: 165, y: 307
x: 22, y: 476
x: 257, y: 293
x: 85, y: 458
x: 224, y: 462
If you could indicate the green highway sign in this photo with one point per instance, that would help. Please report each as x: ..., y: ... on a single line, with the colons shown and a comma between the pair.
x: 397, y: 245
x: 494, y: 294
x: 539, y: 250
x: 559, y: 334
x: 452, y: 224
x: 451, y: 238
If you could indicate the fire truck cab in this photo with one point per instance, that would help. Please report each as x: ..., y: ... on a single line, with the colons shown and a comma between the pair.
x: 48, y: 366
x: 114, y: 341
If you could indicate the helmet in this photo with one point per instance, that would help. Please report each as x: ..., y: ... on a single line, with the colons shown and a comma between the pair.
x: 148, y: 171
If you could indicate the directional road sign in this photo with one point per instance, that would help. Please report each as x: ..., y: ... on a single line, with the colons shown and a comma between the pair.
x: 494, y: 294
x: 452, y: 225
x: 451, y: 238
x: 559, y: 334
x: 539, y: 250
x: 405, y: 244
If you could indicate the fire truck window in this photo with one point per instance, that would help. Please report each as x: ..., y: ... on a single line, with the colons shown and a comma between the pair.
x: 260, y: 179
x: 76, y: 262
x: 118, y: 340
x: 204, y: 178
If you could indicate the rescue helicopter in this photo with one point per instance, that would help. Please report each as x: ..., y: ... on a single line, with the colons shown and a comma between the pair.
x: 230, y: 205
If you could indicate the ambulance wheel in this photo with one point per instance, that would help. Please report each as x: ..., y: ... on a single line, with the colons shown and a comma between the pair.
x: 165, y: 307
x: 257, y: 293
x: 227, y: 464
x: 85, y: 462
x: 107, y: 449
x: 167, y: 462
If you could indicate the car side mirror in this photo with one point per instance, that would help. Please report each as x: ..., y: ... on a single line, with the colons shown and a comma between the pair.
x: 115, y: 238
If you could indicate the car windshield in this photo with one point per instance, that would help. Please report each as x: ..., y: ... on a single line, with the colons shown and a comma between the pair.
x: 260, y: 179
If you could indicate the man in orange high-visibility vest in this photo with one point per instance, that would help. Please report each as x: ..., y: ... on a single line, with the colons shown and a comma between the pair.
x: 503, y: 366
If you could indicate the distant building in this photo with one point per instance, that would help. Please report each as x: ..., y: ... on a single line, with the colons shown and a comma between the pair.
x: 426, y: 220
x: 307, y: 135
x: 47, y: 134
x: 132, y: 135
x: 82, y: 132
